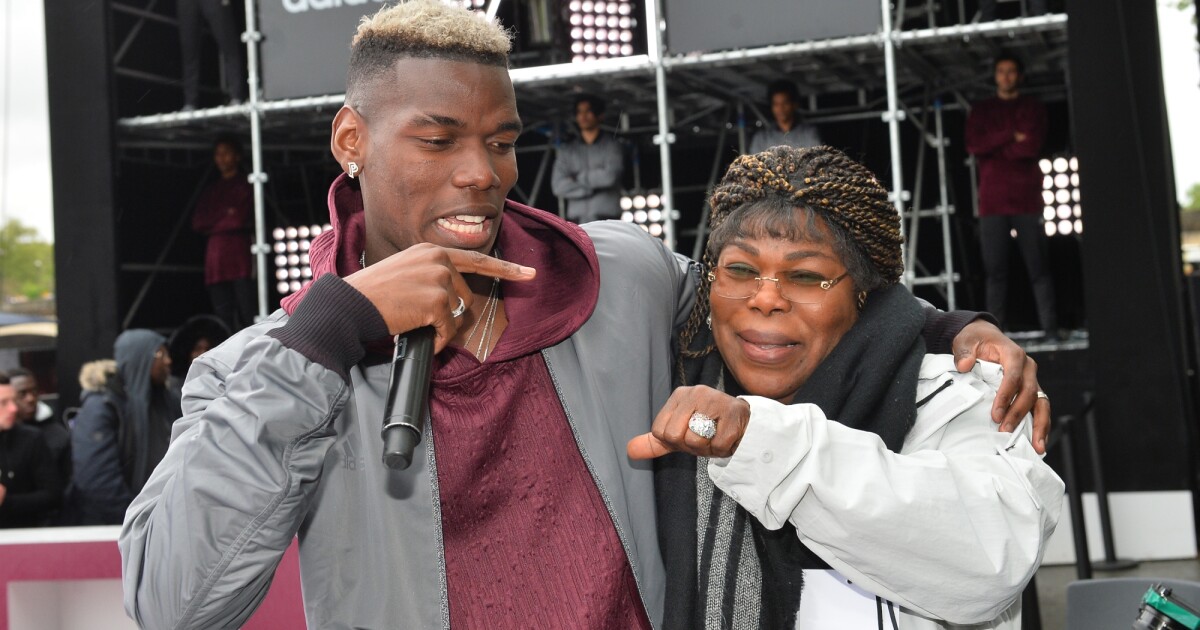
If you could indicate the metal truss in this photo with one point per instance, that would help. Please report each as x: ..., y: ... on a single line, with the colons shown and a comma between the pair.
x: 661, y: 94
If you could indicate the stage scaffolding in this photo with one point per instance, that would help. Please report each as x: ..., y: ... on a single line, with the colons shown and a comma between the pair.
x: 922, y: 71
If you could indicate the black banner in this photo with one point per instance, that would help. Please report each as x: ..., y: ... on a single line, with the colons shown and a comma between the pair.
x: 710, y: 25
x: 306, y: 44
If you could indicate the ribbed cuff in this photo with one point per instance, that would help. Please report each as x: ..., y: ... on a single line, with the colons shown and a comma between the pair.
x: 332, y: 325
x: 941, y: 328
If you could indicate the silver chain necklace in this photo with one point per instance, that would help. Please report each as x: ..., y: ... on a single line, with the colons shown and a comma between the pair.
x: 484, y: 347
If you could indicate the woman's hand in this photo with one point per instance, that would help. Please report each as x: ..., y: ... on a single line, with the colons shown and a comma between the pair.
x: 670, y: 431
x: 1019, y: 388
x: 421, y: 286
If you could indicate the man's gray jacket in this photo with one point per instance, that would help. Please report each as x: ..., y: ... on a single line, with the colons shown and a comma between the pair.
x: 588, y: 176
x: 273, y: 445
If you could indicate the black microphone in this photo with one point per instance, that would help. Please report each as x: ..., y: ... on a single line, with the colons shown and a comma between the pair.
x: 407, y: 397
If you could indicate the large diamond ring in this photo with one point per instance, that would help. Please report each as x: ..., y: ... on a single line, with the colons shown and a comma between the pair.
x: 702, y: 425
x: 1042, y: 394
x: 460, y: 309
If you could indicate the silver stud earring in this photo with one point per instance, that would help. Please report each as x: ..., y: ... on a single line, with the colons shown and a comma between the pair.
x: 708, y: 320
x: 353, y: 169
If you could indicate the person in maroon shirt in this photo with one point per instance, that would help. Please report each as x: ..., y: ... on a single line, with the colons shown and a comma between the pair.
x: 1005, y: 134
x: 225, y: 214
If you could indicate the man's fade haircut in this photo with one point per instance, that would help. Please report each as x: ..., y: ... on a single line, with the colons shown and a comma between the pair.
x: 783, y: 87
x: 427, y: 29
x: 1016, y: 61
x: 596, y: 103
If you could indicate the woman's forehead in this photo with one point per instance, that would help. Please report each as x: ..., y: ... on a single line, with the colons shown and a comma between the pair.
x: 787, y: 248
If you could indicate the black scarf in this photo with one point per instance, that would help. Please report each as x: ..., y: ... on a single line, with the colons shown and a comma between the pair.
x: 867, y: 382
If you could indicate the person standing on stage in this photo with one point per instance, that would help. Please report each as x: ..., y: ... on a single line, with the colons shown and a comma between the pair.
x: 225, y: 214
x: 1005, y: 134
x: 788, y: 129
x: 587, y: 171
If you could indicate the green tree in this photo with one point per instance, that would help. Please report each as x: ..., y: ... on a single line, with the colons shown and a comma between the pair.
x: 1193, y: 203
x: 26, y: 264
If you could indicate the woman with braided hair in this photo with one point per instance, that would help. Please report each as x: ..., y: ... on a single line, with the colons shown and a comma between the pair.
x: 908, y: 511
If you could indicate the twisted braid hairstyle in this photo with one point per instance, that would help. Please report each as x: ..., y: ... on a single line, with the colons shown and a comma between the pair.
x: 780, y: 193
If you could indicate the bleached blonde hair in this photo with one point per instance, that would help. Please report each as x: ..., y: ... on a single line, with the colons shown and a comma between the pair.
x: 425, y: 29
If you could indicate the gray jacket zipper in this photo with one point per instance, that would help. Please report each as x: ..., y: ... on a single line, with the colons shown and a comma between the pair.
x: 587, y: 460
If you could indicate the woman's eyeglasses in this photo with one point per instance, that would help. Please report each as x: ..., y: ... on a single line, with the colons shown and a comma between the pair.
x: 801, y: 287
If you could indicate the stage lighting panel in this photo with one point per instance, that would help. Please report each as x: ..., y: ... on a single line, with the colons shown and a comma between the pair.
x: 1060, y: 195
x: 291, y: 245
x: 645, y: 212
x: 600, y: 30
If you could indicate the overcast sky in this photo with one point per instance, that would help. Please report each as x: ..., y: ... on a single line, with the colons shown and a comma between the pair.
x: 25, y: 139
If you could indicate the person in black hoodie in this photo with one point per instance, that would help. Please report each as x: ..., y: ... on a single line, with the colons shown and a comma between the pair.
x: 123, y: 429
x: 30, y: 490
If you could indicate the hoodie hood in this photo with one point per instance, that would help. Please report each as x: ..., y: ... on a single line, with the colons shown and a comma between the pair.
x: 94, y: 376
x: 541, y: 312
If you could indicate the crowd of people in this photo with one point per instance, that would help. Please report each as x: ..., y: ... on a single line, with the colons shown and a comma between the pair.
x: 777, y: 435
x: 84, y: 466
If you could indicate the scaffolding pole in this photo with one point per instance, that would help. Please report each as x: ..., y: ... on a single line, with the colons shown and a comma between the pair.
x: 944, y: 208
x: 892, y: 117
x: 257, y: 177
x: 654, y: 31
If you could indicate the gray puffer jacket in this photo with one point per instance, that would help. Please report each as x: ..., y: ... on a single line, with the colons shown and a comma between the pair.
x: 273, y: 445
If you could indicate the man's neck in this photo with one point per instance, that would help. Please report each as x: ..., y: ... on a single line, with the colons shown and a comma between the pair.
x: 786, y: 126
x: 590, y: 135
x: 1007, y: 96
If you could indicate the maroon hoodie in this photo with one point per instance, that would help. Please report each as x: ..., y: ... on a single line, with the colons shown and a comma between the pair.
x: 527, y: 538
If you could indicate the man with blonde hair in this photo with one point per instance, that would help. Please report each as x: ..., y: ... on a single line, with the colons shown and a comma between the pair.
x: 521, y: 508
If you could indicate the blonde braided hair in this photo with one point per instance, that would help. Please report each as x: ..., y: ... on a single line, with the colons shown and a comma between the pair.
x: 759, y: 196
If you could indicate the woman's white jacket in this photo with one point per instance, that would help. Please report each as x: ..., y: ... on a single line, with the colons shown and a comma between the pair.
x: 951, y: 529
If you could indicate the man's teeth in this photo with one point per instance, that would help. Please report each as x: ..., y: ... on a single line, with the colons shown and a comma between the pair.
x: 463, y: 223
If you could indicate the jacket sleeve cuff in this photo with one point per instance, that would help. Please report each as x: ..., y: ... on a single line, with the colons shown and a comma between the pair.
x: 332, y: 325
x: 776, y: 440
x: 941, y: 327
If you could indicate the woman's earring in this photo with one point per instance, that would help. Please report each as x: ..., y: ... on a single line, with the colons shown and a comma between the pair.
x: 352, y: 169
x: 708, y: 320
x: 862, y: 299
